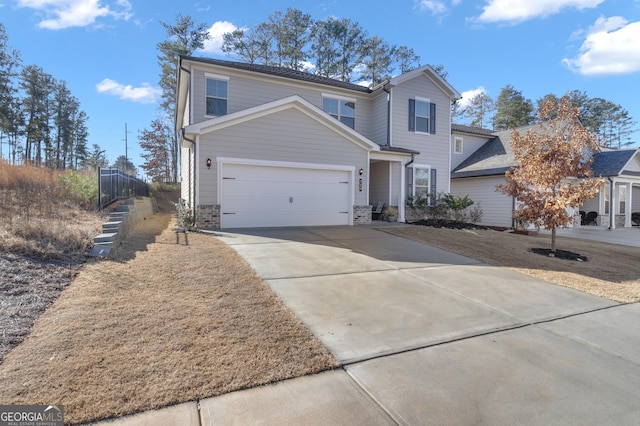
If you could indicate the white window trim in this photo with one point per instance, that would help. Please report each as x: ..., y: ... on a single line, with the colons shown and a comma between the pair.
x: 455, y: 145
x: 424, y: 100
x: 341, y: 98
x: 208, y: 75
x: 217, y: 76
x: 413, y: 184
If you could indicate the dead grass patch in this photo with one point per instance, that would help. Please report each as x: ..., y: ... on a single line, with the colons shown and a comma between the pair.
x: 164, y: 322
x: 612, y: 270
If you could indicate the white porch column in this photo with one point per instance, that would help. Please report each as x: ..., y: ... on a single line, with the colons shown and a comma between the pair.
x: 403, y: 196
x: 628, y: 205
x: 613, y: 204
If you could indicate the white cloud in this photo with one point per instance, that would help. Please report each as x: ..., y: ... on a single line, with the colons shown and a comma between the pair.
x: 145, y: 94
x: 436, y: 7
x: 217, y: 30
x: 468, y: 95
x: 610, y: 47
x: 60, y: 14
x: 515, y: 11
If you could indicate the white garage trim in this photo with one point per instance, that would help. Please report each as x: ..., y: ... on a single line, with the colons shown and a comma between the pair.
x: 346, y: 174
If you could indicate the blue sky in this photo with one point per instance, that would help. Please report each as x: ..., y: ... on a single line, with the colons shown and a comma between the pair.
x: 106, y: 49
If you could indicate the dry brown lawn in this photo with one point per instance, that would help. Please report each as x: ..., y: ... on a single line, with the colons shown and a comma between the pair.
x: 612, y: 271
x: 165, y: 321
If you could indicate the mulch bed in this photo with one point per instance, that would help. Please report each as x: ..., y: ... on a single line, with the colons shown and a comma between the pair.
x: 449, y: 224
x: 560, y: 254
x: 28, y: 286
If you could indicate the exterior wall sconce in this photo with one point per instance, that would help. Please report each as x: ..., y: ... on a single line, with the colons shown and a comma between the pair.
x: 361, y: 171
x: 208, y: 163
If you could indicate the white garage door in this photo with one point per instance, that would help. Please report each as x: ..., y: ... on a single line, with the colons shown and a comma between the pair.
x: 263, y: 196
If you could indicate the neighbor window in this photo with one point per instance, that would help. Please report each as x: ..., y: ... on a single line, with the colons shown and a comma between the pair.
x: 217, y: 94
x: 422, y: 116
x: 622, y: 196
x: 341, y: 109
x: 457, y: 145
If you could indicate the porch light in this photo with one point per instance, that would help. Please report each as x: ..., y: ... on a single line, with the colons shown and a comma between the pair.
x: 361, y: 171
x: 208, y: 163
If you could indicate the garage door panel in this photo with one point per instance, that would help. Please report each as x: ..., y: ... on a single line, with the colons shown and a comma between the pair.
x: 256, y: 196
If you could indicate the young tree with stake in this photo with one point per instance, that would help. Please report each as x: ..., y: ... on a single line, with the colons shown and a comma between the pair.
x: 553, y: 172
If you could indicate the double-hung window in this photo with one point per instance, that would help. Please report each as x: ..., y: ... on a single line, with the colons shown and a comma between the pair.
x: 422, y: 116
x: 342, y: 109
x: 421, y: 181
x: 217, y: 95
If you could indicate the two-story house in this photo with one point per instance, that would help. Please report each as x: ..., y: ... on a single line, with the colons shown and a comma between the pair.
x: 267, y: 146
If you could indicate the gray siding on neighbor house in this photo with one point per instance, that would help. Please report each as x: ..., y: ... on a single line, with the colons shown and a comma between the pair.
x: 287, y: 136
x: 633, y: 166
x: 434, y: 149
x: 246, y: 92
x: 496, y: 207
x: 592, y: 205
x: 470, y: 144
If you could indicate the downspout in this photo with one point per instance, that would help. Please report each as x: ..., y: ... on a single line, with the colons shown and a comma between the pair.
x: 388, y: 92
x: 611, y: 215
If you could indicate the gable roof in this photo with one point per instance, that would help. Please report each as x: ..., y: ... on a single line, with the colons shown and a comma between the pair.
x: 612, y: 163
x: 295, y: 102
x: 431, y: 74
x: 279, y: 71
x: 495, y: 157
x: 472, y: 130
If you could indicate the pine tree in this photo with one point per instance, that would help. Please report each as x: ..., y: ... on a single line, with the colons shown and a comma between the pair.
x: 512, y: 110
x: 183, y: 39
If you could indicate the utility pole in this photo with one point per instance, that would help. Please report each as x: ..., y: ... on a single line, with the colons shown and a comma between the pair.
x: 126, y: 146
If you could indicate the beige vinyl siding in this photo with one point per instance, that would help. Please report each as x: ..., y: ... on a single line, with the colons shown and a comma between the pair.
x: 470, y: 144
x: 187, y: 172
x: 396, y: 179
x: 245, y: 92
x: 379, y: 122
x: 285, y: 136
x: 434, y: 149
x: 379, y: 172
x: 496, y: 206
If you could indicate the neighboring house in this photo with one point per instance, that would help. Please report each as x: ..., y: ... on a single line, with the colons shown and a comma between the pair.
x: 267, y: 146
x: 478, y: 173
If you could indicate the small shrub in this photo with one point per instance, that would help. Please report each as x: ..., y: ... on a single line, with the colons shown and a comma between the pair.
x: 475, y: 214
x: 186, y: 215
x: 81, y: 188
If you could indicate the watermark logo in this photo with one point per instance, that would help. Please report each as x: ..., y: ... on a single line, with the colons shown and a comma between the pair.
x: 31, y: 415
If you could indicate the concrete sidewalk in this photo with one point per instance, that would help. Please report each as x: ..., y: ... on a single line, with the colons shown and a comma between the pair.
x: 429, y: 337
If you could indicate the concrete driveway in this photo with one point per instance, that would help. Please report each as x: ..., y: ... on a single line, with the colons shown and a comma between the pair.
x: 430, y: 337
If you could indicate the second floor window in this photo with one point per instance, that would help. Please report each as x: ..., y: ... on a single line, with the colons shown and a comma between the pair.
x: 216, y: 96
x: 342, y: 109
x: 422, y: 116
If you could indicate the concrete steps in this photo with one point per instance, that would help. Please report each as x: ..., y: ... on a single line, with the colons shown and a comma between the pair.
x: 125, y: 217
